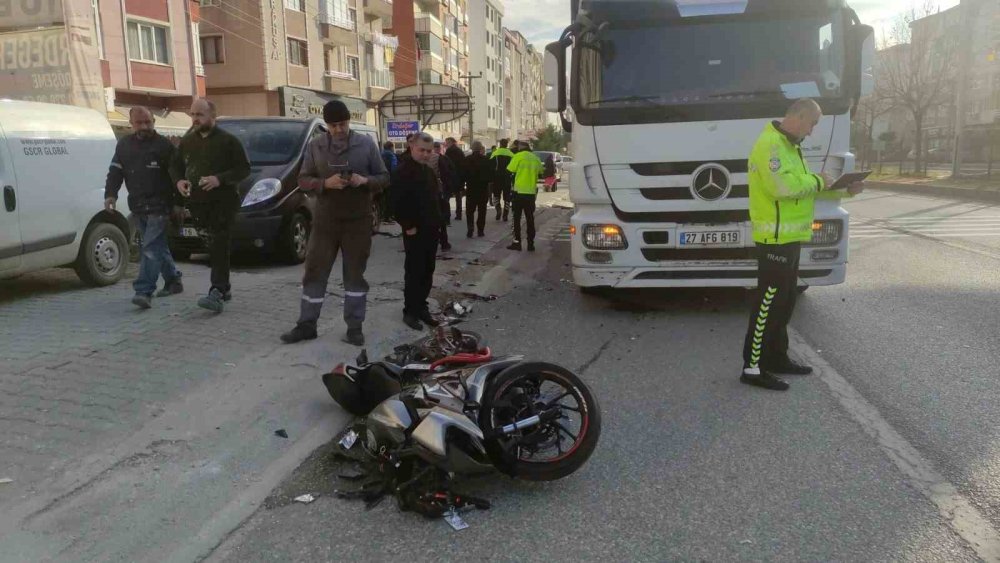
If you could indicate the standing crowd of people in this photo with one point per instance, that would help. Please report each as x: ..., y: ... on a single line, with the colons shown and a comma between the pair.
x: 344, y: 171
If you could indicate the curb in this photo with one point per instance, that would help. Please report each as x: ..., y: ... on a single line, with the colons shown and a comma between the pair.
x: 970, y: 194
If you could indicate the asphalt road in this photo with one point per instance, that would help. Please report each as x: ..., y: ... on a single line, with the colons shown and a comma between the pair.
x: 889, y: 453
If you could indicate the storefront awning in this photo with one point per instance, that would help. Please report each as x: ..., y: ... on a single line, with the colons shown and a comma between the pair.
x: 168, y: 123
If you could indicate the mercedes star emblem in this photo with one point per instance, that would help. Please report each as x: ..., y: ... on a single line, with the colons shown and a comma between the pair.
x: 711, y: 183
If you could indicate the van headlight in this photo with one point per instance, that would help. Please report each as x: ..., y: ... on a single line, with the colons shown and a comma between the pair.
x: 826, y: 232
x: 263, y: 190
x: 604, y: 237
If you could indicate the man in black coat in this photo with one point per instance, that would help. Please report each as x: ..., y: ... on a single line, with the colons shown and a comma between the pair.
x: 416, y: 201
x: 478, y: 176
x: 457, y: 157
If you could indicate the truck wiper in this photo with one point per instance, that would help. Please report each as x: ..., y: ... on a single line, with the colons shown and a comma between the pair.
x: 747, y: 93
x: 651, y: 100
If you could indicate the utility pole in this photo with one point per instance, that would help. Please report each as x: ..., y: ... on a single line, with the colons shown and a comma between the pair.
x: 969, y: 9
x: 470, y: 78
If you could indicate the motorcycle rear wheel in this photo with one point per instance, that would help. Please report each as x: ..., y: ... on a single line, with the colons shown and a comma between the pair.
x: 548, y: 451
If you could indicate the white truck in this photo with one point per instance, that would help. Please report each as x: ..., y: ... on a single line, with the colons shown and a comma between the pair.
x: 666, y: 100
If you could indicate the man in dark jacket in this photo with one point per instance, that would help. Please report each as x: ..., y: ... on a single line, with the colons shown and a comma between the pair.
x: 207, y: 167
x: 416, y: 201
x: 457, y: 157
x: 478, y: 174
x: 502, y: 179
x: 344, y: 170
x: 142, y: 160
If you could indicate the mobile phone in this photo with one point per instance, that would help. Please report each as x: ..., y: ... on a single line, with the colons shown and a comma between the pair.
x: 342, y: 170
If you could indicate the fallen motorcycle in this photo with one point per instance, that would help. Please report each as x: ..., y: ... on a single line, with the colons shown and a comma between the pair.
x: 447, y: 406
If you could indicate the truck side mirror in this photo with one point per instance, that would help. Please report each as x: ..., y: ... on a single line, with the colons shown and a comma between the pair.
x: 867, y: 65
x: 555, y: 77
x: 859, y: 59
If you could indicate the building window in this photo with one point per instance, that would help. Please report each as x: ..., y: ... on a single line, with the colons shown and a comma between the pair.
x: 212, y: 50
x: 298, y: 52
x: 98, y: 28
x: 353, y: 67
x: 430, y: 77
x: 299, y: 5
x: 148, y: 43
x: 352, y: 16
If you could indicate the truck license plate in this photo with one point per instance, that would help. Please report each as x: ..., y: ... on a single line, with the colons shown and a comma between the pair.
x: 189, y: 232
x: 709, y: 238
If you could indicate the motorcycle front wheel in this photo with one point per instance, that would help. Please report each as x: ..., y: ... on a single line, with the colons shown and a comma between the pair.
x: 553, y: 448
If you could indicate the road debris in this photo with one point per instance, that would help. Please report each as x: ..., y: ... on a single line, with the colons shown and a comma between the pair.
x: 6, y: 480
x: 281, y: 433
x: 455, y: 520
x: 305, y: 499
x: 477, y: 297
x: 347, y: 442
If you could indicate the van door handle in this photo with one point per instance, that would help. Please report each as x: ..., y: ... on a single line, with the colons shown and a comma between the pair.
x: 9, y: 198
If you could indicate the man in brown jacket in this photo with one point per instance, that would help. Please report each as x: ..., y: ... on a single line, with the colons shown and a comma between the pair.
x: 344, y: 170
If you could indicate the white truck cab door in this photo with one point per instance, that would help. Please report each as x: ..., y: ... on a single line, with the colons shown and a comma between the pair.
x: 10, y: 228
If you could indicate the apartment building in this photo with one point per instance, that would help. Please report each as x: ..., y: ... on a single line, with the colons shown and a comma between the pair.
x: 119, y: 54
x: 441, y: 55
x: 534, y: 90
x: 289, y: 57
x: 513, y: 86
x: 486, y: 47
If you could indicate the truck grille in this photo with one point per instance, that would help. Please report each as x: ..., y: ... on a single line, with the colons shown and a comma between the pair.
x: 661, y: 194
x: 668, y: 254
x: 685, y: 168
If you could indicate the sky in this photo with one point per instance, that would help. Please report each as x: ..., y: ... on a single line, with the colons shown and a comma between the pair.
x: 541, y: 21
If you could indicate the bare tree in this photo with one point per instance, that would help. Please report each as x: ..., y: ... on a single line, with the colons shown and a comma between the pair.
x: 870, y: 108
x: 917, y: 70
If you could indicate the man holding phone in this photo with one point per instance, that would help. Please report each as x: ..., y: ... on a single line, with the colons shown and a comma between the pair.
x: 782, y: 193
x: 208, y: 165
x: 344, y: 170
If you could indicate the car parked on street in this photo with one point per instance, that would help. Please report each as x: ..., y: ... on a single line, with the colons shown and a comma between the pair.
x: 275, y: 216
x: 53, y: 165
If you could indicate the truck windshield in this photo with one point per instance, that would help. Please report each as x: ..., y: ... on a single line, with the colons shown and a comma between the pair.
x: 268, y: 143
x: 706, y: 62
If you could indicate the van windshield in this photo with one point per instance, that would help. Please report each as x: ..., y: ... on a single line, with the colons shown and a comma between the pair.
x: 268, y: 143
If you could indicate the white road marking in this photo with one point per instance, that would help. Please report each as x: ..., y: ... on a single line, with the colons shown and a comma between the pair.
x: 955, y: 509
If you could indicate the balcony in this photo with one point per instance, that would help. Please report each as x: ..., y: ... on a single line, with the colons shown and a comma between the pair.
x: 431, y: 61
x: 426, y: 23
x: 380, y: 81
x: 375, y: 9
x: 338, y: 32
x: 342, y: 83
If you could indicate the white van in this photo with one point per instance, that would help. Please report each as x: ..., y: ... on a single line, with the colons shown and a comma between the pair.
x: 53, y: 164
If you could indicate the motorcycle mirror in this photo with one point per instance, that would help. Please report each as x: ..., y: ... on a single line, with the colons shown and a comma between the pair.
x: 363, y: 357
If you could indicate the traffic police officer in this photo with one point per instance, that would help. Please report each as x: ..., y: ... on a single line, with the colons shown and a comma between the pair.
x: 782, y: 193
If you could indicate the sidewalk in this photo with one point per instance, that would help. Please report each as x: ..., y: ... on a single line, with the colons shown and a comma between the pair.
x: 973, y: 189
x: 129, y: 433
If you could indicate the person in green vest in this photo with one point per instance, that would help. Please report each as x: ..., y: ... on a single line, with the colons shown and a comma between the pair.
x: 526, y: 167
x: 782, y: 193
x: 501, y: 178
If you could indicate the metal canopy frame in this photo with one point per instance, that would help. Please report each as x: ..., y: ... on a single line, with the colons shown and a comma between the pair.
x: 425, y: 107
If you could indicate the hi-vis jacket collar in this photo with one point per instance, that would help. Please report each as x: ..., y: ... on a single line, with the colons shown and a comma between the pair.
x: 791, y: 138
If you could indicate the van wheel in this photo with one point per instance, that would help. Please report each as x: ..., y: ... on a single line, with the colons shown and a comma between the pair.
x: 294, y: 240
x: 103, y: 255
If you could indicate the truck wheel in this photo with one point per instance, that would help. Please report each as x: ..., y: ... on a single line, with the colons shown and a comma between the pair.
x: 294, y: 240
x: 103, y: 255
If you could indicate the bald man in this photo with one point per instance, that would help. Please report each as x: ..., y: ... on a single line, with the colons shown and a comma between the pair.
x: 782, y: 193
x: 142, y: 160
x: 208, y: 166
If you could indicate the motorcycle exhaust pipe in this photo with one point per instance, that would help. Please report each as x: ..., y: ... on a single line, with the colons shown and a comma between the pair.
x: 535, y: 420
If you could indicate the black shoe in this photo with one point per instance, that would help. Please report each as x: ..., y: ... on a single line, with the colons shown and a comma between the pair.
x: 354, y: 337
x: 765, y: 380
x: 505, y: 219
x: 788, y: 367
x: 468, y: 234
x: 531, y: 247
x: 171, y: 288
x: 299, y: 333
x: 228, y: 295
x: 481, y: 234
x: 516, y: 246
x: 213, y: 301
x: 445, y: 246
x: 142, y: 301
x: 428, y: 318
x: 458, y: 216
x: 412, y: 322
x: 498, y: 215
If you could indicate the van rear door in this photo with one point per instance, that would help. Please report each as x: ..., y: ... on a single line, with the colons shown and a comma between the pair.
x: 10, y: 228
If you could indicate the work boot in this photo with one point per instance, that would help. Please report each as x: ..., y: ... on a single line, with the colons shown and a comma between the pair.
x: 228, y: 295
x: 428, y: 318
x: 458, y: 215
x: 481, y: 234
x: 412, y: 322
x: 764, y: 380
x: 172, y: 287
x: 468, y: 234
x: 354, y: 337
x: 301, y: 332
x: 515, y: 246
x: 789, y: 367
x: 446, y: 246
x: 498, y: 212
x: 142, y: 301
x: 213, y: 301
x: 505, y: 215
x: 531, y: 247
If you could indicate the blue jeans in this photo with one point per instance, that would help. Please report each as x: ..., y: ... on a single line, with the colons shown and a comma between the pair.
x: 155, y: 257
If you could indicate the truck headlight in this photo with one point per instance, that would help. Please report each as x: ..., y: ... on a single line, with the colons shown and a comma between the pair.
x: 604, y: 237
x: 263, y: 190
x: 826, y: 232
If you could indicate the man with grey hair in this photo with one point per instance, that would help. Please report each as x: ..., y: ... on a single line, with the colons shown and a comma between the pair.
x: 478, y: 175
x: 782, y: 193
x: 142, y: 160
x: 207, y: 167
